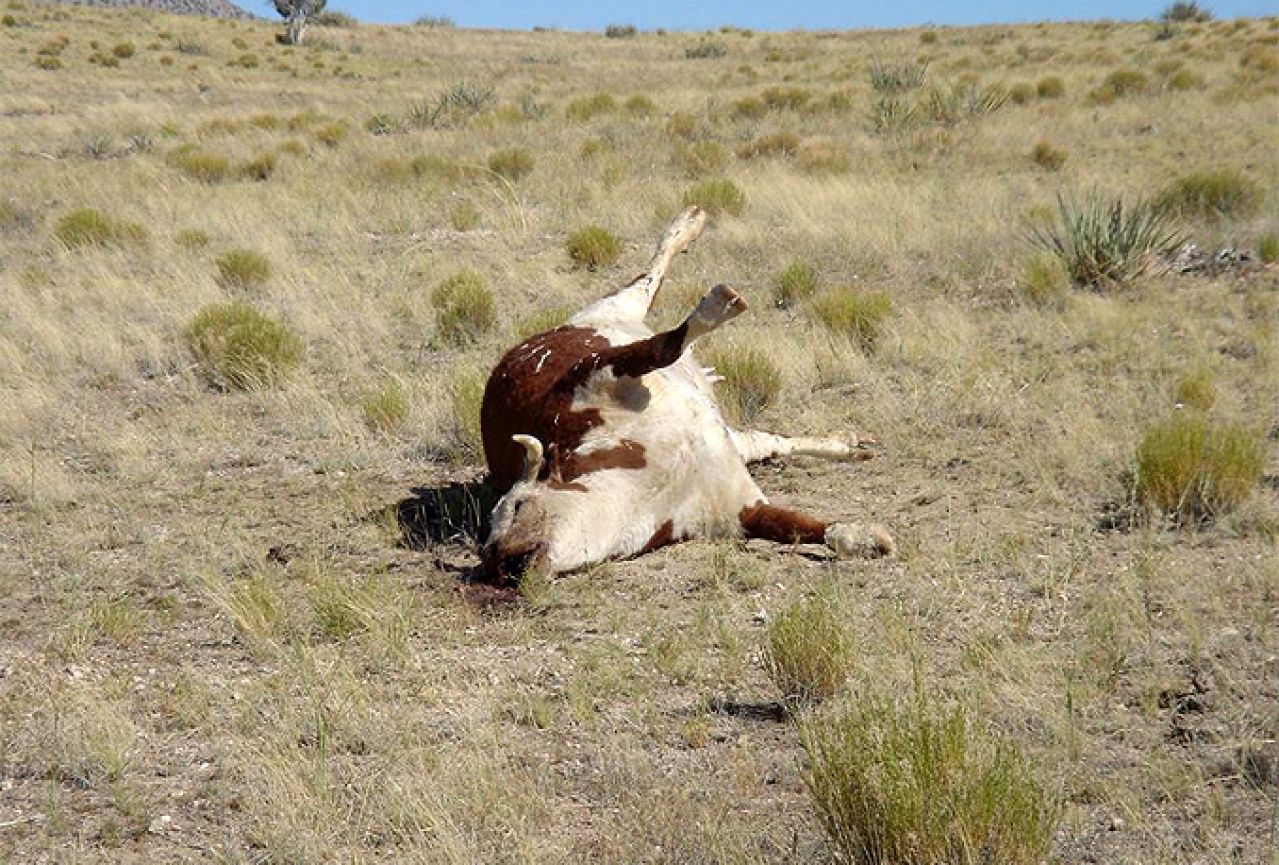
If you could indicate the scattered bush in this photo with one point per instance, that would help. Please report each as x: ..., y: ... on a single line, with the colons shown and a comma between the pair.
x: 434, y: 21
x: 1216, y: 194
x: 1051, y: 87
x: 681, y: 124
x: 773, y: 144
x: 48, y: 63
x: 1106, y: 241
x: 1268, y: 248
x: 512, y: 163
x: 1021, y: 93
x: 589, y: 107
x: 1195, y: 390
x: 386, y: 408
x: 749, y: 108
x: 1048, y: 157
x: 124, y: 50
x: 200, y: 164
x: 700, y: 157
x: 242, y: 268
x: 332, y: 134
x: 191, y: 239
x: 260, y: 167
x: 90, y: 227
x: 859, y: 315
x: 896, y: 78
x: 1119, y: 84
x: 1184, y: 79
x: 798, y: 281
x: 1186, y: 12
x: 1191, y: 468
x: 751, y: 383
x: 465, y: 308
x: 334, y: 19
x: 786, y: 98
x: 239, y: 348
x: 717, y: 197
x: 809, y: 651
x: 620, y: 31
x: 906, y: 782
x: 640, y: 105
x: 707, y: 49
x: 593, y: 247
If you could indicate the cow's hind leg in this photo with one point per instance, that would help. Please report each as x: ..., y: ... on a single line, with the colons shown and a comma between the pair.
x: 721, y: 304
x: 755, y: 445
x: 771, y: 523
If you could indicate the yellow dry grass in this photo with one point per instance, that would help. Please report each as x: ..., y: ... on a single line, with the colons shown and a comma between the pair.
x: 214, y: 645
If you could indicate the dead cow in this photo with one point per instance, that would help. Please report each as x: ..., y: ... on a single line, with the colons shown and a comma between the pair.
x: 604, y: 440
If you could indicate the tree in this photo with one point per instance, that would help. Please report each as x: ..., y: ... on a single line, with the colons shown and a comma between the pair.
x: 296, y: 15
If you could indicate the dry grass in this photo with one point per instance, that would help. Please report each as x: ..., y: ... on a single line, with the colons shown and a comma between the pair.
x: 221, y: 643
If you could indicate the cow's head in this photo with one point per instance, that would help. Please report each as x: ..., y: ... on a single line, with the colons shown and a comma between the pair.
x: 527, y: 520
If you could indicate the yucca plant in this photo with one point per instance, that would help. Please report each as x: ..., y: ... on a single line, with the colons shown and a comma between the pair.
x: 1101, y: 241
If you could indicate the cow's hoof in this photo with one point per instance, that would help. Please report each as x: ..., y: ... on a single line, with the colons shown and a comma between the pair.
x: 854, y: 540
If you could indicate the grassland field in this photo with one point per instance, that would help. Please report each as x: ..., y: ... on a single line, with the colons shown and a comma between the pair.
x: 216, y: 644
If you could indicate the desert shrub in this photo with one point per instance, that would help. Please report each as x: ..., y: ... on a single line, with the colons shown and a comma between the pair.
x: 90, y: 227
x: 332, y: 134
x: 1184, y: 79
x: 903, y: 781
x: 1223, y: 193
x: 1119, y: 84
x: 200, y: 164
x: 1044, y: 280
x: 1268, y: 248
x: 124, y: 50
x: 1192, y: 467
x: 809, y: 650
x: 191, y: 239
x: 823, y: 156
x: 620, y: 31
x: 749, y: 108
x: 382, y: 124
x: 1051, y: 87
x: 464, y: 216
x: 465, y: 308
x: 707, y: 49
x: 796, y: 282
x: 1195, y: 389
x: 1103, y: 241
x: 781, y: 143
x: 700, y: 158
x: 237, y: 347
x: 640, y: 105
x: 387, y: 407
x: 110, y: 61
x: 48, y: 63
x: 858, y: 315
x: 260, y: 167
x: 242, y: 268
x: 1046, y: 156
x: 716, y: 197
x: 512, y: 163
x: 928, y: 37
x: 589, y: 107
x: 786, y: 98
x: 1021, y: 93
x: 1186, y: 11
x: 334, y: 19
x: 895, y: 78
x: 190, y: 47
x: 681, y: 124
x: 434, y: 22
x: 891, y: 114
x: 751, y: 383
x: 245, y: 61
x: 593, y: 247
x: 964, y: 101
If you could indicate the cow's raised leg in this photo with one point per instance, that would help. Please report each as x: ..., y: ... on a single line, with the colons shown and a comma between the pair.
x: 721, y: 304
x: 771, y: 523
x: 755, y: 445
x: 633, y: 302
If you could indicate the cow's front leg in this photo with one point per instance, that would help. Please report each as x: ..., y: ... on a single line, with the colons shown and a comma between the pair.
x: 755, y: 445
x: 721, y: 304
x: 771, y: 523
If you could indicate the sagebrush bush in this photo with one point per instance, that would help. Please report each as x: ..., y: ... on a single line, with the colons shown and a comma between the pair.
x: 1194, y: 467
x: 236, y: 347
x: 1223, y: 193
x: 903, y: 781
x: 751, y: 383
x: 1185, y: 11
x: 387, y: 407
x: 242, y: 268
x: 717, y: 197
x: 809, y: 650
x: 798, y: 281
x: 90, y: 227
x: 1102, y: 241
x: 465, y: 308
x: 858, y: 315
x: 593, y: 247
x: 513, y: 163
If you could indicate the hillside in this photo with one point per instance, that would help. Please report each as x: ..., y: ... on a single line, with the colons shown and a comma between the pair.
x: 224, y: 634
x: 206, y: 8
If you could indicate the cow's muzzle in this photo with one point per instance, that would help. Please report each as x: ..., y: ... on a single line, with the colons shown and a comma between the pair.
x: 510, y: 566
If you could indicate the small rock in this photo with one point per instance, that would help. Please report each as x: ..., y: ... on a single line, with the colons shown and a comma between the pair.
x: 1116, y: 824
x: 160, y: 824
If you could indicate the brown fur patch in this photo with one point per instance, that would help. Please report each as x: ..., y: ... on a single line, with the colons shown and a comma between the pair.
x: 627, y: 454
x: 778, y: 524
x: 664, y: 535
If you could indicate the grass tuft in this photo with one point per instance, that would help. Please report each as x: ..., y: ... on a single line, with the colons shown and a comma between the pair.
x: 1192, y: 468
x: 1046, y: 156
x: 717, y: 197
x: 511, y: 163
x: 386, y: 408
x: 798, y: 281
x: 589, y: 107
x: 1223, y: 193
x: 242, y: 268
x: 593, y: 247
x: 465, y: 308
x: 239, y: 348
x: 858, y: 315
x: 1195, y: 390
x: 751, y: 383
x: 201, y: 165
x: 90, y: 227
x: 809, y: 650
x: 1102, y: 241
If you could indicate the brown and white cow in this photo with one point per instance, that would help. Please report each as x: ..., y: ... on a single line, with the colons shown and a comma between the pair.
x: 604, y: 440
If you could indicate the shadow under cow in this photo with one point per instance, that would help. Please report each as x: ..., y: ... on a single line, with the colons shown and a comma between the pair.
x: 456, y: 513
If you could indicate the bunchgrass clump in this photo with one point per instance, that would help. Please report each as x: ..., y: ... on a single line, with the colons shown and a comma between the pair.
x: 192, y: 239
x: 752, y: 381
x: 260, y: 167
x: 1051, y: 87
x: 1268, y: 248
x: 1121, y: 84
x: 621, y: 31
x: 896, y: 78
x: 782, y: 143
x: 798, y: 281
x: 1223, y: 193
x: 1195, y: 390
x: 858, y: 315
x: 466, y: 396
x: 809, y: 650
x: 904, y: 781
x: 717, y: 197
x: 707, y: 49
x: 387, y: 407
x: 1193, y: 467
x: 511, y: 164
x: 593, y: 247
x: 589, y: 107
x: 236, y: 347
x: 700, y: 158
x: 465, y: 308
x: 242, y: 268
x: 1044, y: 281
x: 1046, y: 156
x: 201, y: 165
x: 1106, y: 241
x: 89, y: 227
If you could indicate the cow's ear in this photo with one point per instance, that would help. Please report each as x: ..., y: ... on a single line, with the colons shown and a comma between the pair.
x: 532, y: 456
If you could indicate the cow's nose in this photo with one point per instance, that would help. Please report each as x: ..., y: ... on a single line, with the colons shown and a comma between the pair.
x: 515, y: 565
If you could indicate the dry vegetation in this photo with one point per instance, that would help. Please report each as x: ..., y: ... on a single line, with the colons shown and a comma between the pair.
x: 248, y: 297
